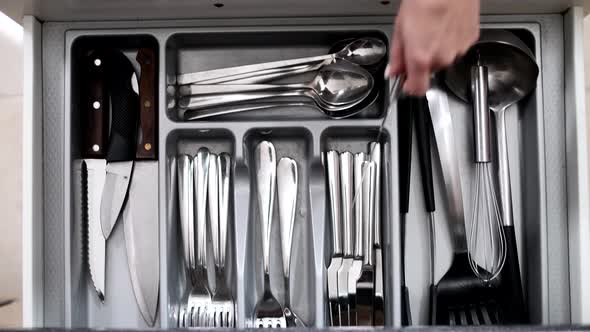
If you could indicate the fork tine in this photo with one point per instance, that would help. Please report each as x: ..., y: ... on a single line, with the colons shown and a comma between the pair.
x: 486, y: 317
x: 218, y: 317
x: 474, y: 315
x: 463, y: 317
x: 451, y: 318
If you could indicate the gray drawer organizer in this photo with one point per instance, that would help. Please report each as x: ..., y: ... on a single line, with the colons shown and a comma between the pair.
x: 537, y: 131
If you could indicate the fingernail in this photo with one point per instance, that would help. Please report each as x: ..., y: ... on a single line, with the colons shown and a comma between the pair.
x: 386, y: 73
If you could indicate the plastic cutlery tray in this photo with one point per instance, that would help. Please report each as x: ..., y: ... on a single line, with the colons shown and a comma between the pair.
x: 536, y: 130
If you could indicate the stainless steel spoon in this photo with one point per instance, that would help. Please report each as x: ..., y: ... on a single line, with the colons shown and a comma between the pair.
x: 337, y: 84
x: 363, y: 51
x: 512, y: 75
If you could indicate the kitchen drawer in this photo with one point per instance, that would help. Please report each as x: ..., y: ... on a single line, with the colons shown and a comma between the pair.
x: 550, y: 180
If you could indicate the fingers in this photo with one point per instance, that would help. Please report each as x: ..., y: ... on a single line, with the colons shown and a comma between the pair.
x: 396, y: 64
x: 419, y: 68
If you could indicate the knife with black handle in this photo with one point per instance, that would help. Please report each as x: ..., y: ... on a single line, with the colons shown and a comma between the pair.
x: 94, y: 116
x: 122, y: 140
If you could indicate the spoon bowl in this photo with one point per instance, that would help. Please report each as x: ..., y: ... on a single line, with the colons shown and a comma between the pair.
x: 363, y: 51
x: 512, y: 70
x: 336, y: 85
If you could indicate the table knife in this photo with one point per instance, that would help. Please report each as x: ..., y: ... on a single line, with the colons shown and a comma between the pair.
x: 365, y: 287
x: 379, y: 316
x: 93, y: 167
x: 357, y: 265
x: 140, y: 216
x: 333, y: 172
x: 121, y: 150
x: 346, y: 184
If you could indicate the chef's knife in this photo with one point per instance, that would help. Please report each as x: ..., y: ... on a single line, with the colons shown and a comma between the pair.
x: 93, y: 167
x: 140, y: 216
x: 121, y: 150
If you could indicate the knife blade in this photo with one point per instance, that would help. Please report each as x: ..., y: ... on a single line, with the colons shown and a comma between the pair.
x: 365, y: 287
x: 140, y: 216
x: 333, y: 172
x: 357, y: 265
x: 93, y: 166
x: 121, y: 150
x: 346, y: 183
x: 379, y: 316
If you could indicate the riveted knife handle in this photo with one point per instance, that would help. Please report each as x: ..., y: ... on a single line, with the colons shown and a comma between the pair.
x: 146, y: 148
x: 124, y: 109
x: 96, y: 105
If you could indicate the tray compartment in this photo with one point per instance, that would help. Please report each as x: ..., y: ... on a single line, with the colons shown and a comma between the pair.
x: 355, y: 140
x: 540, y: 137
x: 119, y: 309
x: 191, y: 52
x: 296, y: 144
x: 525, y: 129
x: 189, y: 142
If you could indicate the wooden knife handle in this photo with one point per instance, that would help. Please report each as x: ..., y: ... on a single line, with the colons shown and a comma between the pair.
x: 146, y: 148
x: 95, y: 105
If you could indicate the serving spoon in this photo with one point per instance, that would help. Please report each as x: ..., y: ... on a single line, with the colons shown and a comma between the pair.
x: 336, y: 84
x: 336, y: 87
x: 362, y: 51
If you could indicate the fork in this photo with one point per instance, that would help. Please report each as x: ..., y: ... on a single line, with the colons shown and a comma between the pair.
x: 222, y: 303
x: 186, y: 201
x: 287, y: 181
x: 268, y: 311
x: 199, y: 299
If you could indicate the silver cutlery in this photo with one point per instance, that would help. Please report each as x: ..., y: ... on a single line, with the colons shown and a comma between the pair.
x: 222, y: 311
x: 186, y: 204
x: 199, y: 299
x: 268, y: 311
x: 365, y: 287
x: 364, y: 52
x: 346, y: 182
x: 357, y: 265
x: 333, y: 172
x: 336, y: 84
x: 379, y: 316
x: 335, y: 87
x: 287, y: 182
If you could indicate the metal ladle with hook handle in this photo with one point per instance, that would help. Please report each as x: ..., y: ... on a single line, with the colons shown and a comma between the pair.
x: 512, y: 75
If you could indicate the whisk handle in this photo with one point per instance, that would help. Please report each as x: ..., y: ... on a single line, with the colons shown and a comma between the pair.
x: 423, y: 130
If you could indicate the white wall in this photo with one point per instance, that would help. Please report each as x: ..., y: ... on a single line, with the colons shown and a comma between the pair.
x: 11, y: 83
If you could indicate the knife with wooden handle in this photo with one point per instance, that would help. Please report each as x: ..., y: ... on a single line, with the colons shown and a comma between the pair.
x: 140, y: 216
x: 93, y: 167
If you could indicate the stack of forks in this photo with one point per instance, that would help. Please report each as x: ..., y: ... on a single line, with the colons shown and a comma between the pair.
x: 269, y: 313
x: 203, y: 191
x: 355, y: 273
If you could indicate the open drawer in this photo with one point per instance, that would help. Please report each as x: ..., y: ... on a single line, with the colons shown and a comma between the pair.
x: 548, y: 156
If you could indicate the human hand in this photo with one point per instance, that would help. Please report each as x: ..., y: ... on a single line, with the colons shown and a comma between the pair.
x: 429, y: 35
